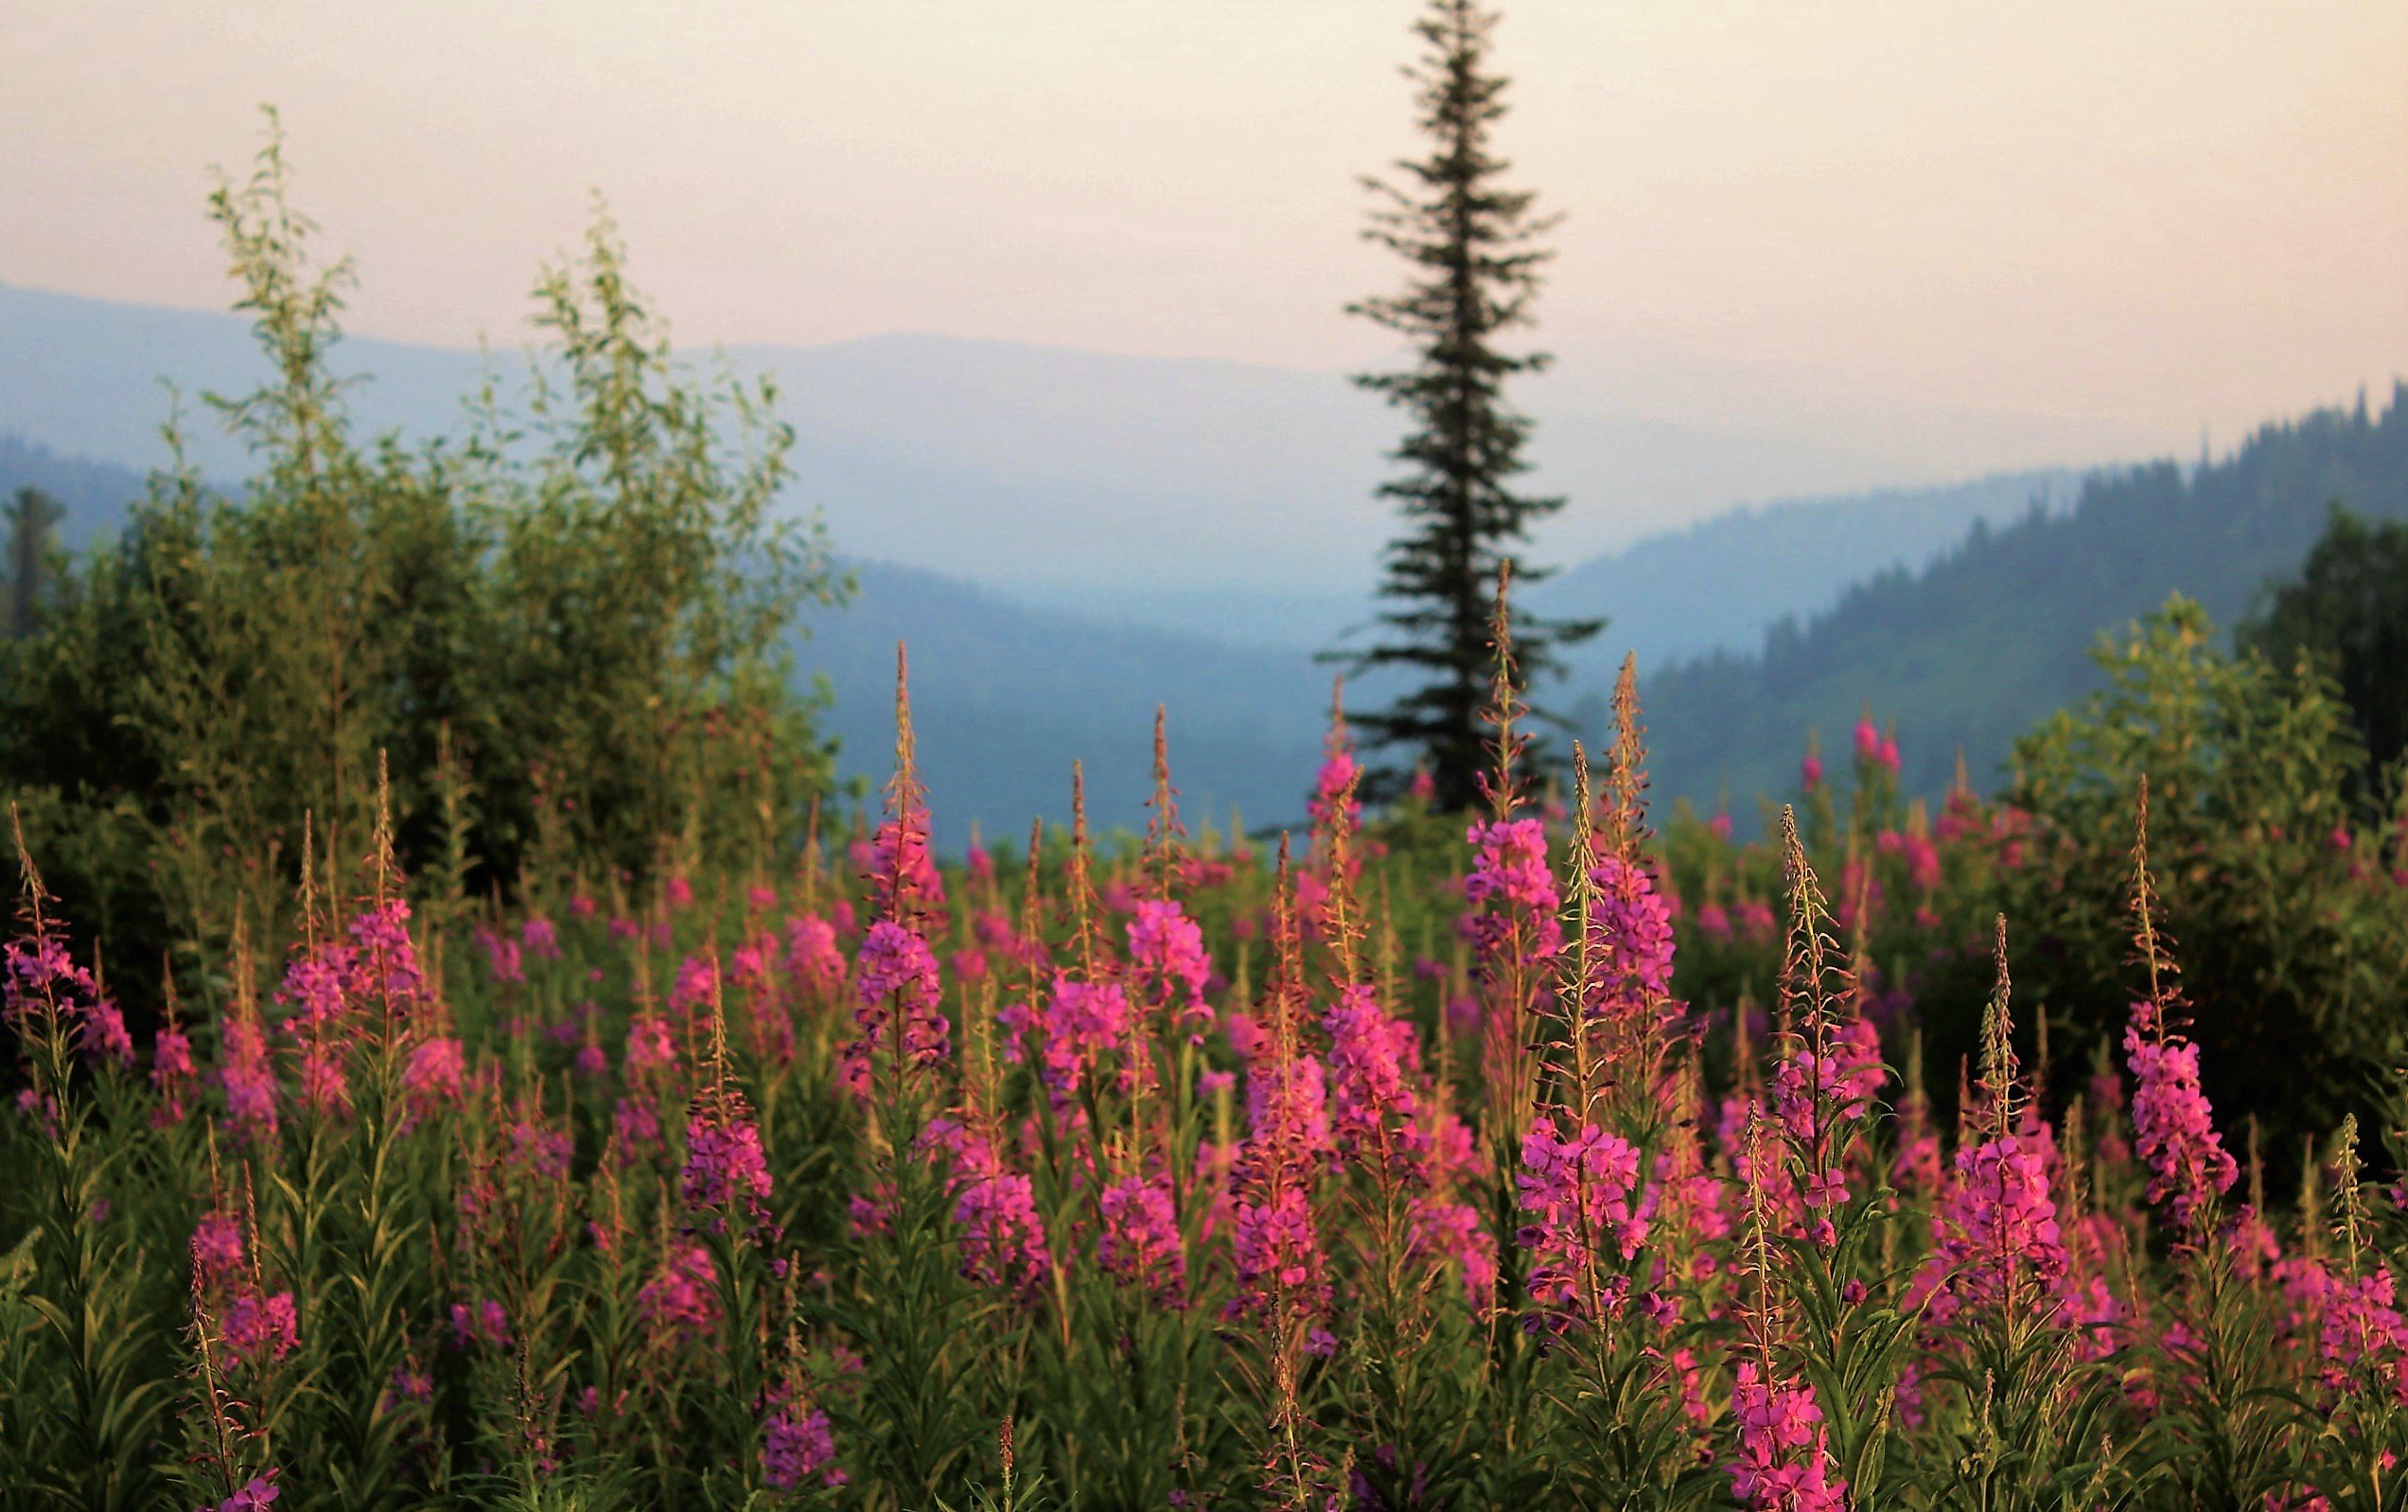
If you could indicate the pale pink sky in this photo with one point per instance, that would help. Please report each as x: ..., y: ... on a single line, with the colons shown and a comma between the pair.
x: 2165, y: 212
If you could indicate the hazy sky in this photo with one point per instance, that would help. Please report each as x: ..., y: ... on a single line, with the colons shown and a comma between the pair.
x: 2169, y: 213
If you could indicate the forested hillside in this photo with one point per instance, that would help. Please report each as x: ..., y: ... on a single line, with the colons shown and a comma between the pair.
x: 1974, y: 649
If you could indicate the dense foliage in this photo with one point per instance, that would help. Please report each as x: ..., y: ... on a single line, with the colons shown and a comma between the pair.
x: 1411, y: 1166
x: 1472, y: 244
x: 563, y: 633
x: 1973, y: 649
x: 2283, y: 894
x: 2349, y: 607
x: 33, y: 522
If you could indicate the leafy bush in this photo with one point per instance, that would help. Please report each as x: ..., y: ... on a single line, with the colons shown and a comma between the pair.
x: 563, y: 634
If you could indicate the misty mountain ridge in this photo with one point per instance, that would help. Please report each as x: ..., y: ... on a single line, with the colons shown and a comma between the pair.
x: 1979, y: 645
x: 1060, y: 478
x: 1068, y: 478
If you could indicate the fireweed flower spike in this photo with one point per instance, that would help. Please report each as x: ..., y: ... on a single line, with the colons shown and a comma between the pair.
x: 1996, y: 1242
x: 1828, y: 1074
x: 724, y: 1166
x: 1577, y: 1179
x: 1282, y: 1272
x: 901, y: 1013
x: 2174, y: 1127
x: 1784, y: 1462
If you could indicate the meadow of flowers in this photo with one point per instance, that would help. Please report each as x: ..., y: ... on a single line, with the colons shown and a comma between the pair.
x: 1381, y: 1166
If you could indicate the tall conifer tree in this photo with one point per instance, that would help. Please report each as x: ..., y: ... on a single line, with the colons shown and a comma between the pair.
x: 31, y: 517
x: 1473, y: 249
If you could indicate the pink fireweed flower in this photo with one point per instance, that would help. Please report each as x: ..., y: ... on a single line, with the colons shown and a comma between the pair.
x: 2175, y: 1129
x: 259, y: 1328
x: 1278, y: 1255
x: 410, y: 1383
x: 541, y: 940
x: 1810, y: 771
x: 1169, y: 963
x: 316, y: 986
x: 1003, y: 1236
x: 724, y: 1160
x: 649, y: 1046
x: 1279, y: 1260
x: 325, y: 1085
x: 1453, y: 1232
x: 217, y: 1248
x: 1916, y: 1169
x: 1784, y: 1460
x: 2363, y: 1334
x: 102, y: 1033
x: 682, y: 1302
x: 39, y: 972
x: 678, y: 891
x: 697, y: 982
x: 636, y: 1123
x: 1755, y: 920
x: 797, y: 1444
x: 1338, y: 769
x: 1509, y: 874
x: 1997, y: 1225
x: 1576, y: 1192
x: 1288, y: 1108
x: 899, y: 853
x: 813, y: 957
x: 435, y: 1072
x: 1080, y: 1023
x: 542, y: 1152
x: 1139, y: 1246
x: 1868, y: 741
x: 1630, y: 932
x: 384, y: 961
x: 247, y: 1075
x: 484, y: 1324
x: 1373, y: 1060
x: 502, y: 961
x: 170, y: 1069
x: 897, y: 973
x: 253, y: 1495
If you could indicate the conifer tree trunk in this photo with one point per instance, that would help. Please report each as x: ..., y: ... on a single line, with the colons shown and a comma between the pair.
x: 1472, y: 250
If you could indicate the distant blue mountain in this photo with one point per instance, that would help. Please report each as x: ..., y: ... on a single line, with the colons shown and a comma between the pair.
x: 1005, y: 697
x: 1225, y: 499
x: 1067, y: 538
x: 1983, y: 642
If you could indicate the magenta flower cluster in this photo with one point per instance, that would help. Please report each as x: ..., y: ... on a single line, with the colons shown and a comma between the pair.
x: 1576, y: 1192
x: 1139, y: 1246
x: 1510, y: 879
x: 2175, y: 1129
x: 1785, y: 1459
x: 897, y: 975
x: 1630, y: 933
